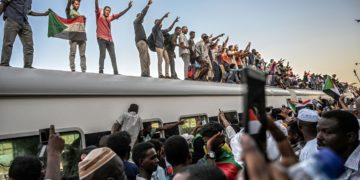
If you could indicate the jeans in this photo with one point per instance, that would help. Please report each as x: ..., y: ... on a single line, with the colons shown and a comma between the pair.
x: 143, y: 47
x: 109, y: 46
x: 11, y: 30
x: 82, y: 48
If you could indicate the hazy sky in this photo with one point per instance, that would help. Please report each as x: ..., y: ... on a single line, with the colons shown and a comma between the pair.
x: 316, y: 35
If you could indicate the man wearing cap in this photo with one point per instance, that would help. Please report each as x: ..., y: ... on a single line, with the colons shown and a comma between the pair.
x: 101, y: 163
x: 307, y: 121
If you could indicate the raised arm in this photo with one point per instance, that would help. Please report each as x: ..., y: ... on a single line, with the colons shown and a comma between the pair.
x: 96, y: 5
x: 217, y: 37
x: 67, y: 10
x: 32, y: 13
x: 143, y: 12
x: 172, y: 25
x: 54, y: 149
x: 116, y: 16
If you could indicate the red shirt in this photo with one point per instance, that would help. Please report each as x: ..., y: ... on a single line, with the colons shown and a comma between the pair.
x: 103, y: 25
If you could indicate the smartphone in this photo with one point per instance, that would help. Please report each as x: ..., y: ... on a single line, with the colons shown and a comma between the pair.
x: 44, y: 135
x: 254, y: 112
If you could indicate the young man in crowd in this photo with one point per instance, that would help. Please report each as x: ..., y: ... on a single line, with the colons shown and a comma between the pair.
x: 145, y: 157
x: 158, y: 35
x: 339, y: 131
x: 159, y: 174
x: 177, y: 153
x: 74, y: 13
x: 103, y: 34
x: 218, y: 152
x: 141, y: 41
x: 307, y: 121
x: 120, y: 143
x: 17, y: 23
x: 170, y: 45
x: 184, y: 50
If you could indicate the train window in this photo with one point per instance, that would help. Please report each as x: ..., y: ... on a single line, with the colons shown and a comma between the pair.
x: 232, y: 117
x: 190, y: 122
x: 213, y: 119
x: 30, y: 146
x: 171, y: 131
x: 152, y: 129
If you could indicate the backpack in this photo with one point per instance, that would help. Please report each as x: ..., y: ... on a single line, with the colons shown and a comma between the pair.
x: 151, y: 43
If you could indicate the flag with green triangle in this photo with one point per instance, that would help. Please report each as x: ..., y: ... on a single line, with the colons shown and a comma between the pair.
x: 69, y: 29
x: 331, y: 89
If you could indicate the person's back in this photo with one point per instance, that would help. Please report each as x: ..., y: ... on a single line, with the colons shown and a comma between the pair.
x: 131, y: 123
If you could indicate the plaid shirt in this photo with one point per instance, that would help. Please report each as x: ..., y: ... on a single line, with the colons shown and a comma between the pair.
x: 352, y: 165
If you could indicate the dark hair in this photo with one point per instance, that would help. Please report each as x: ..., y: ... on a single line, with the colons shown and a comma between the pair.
x: 120, y: 143
x: 211, y: 129
x: 25, y: 168
x: 73, y: 1
x: 203, y: 172
x: 177, y: 28
x: 157, y: 144
x: 107, y: 7
x: 133, y: 108
x: 347, y: 122
x: 139, y: 152
x: 192, y: 32
x: 176, y: 150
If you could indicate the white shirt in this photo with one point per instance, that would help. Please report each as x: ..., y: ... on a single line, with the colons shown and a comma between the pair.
x: 352, y: 166
x: 309, y: 149
x: 131, y: 123
x: 183, y: 39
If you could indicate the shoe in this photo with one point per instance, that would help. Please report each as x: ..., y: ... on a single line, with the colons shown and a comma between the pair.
x: 4, y: 65
x: 174, y: 77
x: 161, y: 76
x: 29, y: 67
x: 167, y: 77
x: 72, y: 70
x: 116, y: 73
x: 101, y: 71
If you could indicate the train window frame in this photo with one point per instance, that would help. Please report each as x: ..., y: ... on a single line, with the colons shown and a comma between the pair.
x: 232, y: 111
x: 192, y: 116
x: 32, y: 139
x: 162, y: 134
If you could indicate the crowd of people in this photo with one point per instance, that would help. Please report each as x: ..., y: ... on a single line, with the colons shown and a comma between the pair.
x: 207, y: 60
x: 317, y: 140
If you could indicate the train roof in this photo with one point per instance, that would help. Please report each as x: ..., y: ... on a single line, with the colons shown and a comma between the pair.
x: 38, y: 82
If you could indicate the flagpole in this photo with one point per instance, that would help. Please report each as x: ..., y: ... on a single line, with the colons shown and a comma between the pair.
x: 356, y: 75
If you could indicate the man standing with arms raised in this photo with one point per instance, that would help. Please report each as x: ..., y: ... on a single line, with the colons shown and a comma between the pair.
x: 158, y: 35
x: 103, y: 33
x: 141, y: 41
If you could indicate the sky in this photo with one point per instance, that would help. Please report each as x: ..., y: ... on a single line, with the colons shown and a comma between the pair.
x: 319, y: 36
